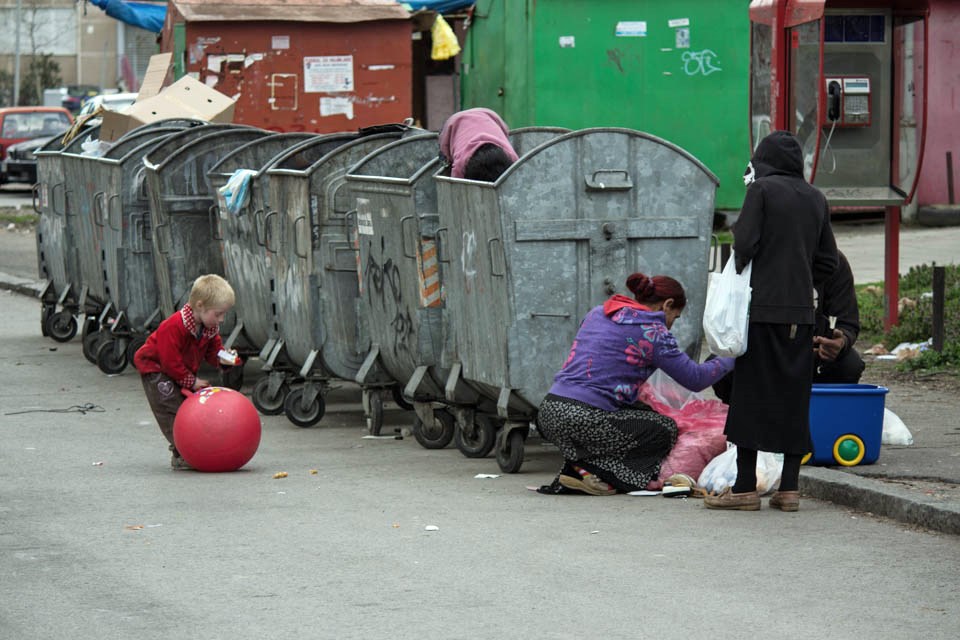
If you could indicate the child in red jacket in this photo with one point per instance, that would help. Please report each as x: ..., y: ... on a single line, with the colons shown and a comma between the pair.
x: 169, y: 360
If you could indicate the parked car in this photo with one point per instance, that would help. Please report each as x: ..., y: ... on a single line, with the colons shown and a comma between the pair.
x: 111, y: 101
x: 77, y: 94
x: 18, y: 124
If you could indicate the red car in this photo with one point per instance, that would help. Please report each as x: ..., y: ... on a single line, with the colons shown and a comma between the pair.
x: 24, y: 123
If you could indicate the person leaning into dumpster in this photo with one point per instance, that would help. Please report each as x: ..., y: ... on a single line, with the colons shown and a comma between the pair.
x: 610, y: 441
x: 476, y: 145
x: 835, y: 360
x: 784, y: 230
x: 171, y: 356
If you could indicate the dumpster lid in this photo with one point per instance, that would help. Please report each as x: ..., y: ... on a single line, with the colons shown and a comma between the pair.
x: 290, y: 10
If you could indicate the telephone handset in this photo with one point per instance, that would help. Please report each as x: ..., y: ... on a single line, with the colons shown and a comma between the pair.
x: 848, y: 102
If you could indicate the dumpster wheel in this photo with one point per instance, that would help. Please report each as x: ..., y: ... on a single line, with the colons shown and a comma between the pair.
x: 510, y: 450
x: 112, y: 356
x: 398, y: 398
x: 91, y: 345
x: 300, y: 415
x: 62, y: 326
x: 439, y: 435
x: 267, y: 404
x: 480, y: 438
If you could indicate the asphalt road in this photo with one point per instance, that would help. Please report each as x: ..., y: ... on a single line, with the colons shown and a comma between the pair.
x: 99, y: 538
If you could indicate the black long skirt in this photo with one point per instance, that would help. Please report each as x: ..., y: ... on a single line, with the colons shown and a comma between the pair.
x: 770, y: 399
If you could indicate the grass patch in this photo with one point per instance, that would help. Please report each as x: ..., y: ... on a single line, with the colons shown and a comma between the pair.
x: 21, y: 218
x: 916, y: 317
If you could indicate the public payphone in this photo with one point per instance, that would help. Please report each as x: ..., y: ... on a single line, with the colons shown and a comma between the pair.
x: 848, y: 78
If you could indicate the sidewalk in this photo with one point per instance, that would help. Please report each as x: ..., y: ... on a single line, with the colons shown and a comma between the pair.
x: 919, y: 485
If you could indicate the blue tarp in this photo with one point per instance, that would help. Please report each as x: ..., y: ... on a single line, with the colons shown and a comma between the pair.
x: 440, y: 6
x: 138, y: 14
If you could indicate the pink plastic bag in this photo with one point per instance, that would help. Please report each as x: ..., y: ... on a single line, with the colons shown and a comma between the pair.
x: 699, y: 425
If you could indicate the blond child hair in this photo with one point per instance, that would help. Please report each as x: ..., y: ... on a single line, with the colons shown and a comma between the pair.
x: 211, y: 291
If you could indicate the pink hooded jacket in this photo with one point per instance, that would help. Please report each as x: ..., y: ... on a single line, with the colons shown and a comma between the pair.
x: 466, y: 131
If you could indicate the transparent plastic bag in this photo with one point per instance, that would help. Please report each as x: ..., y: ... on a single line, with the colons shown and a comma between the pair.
x: 726, y: 314
x: 721, y: 472
x: 895, y: 432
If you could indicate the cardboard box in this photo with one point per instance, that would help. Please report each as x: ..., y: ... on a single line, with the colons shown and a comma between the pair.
x: 185, y: 98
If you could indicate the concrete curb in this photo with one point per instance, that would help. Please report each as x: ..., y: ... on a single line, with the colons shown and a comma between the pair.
x: 19, y: 285
x: 880, y: 498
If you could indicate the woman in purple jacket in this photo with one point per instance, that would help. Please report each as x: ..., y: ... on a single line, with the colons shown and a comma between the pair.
x: 609, y: 440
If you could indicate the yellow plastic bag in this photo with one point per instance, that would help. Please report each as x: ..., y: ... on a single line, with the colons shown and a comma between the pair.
x: 445, y: 44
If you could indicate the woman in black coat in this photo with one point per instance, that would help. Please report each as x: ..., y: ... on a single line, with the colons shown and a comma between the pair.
x: 784, y: 229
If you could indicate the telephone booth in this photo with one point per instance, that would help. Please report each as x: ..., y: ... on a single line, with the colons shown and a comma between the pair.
x: 849, y: 79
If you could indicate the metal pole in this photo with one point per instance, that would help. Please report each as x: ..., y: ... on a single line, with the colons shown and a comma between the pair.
x: 16, y: 58
x: 891, y: 268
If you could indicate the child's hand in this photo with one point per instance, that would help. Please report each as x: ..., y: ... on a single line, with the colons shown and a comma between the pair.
x: 200, y: 384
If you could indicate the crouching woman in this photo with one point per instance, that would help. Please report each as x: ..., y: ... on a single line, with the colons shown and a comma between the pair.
x: 609, y: 440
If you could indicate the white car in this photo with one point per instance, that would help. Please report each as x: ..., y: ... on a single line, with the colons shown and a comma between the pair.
x: 111, y: 101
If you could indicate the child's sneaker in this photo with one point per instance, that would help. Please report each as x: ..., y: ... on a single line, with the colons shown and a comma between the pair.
x: 176, y: 462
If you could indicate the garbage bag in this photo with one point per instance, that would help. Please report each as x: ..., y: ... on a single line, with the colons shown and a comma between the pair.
x: 445, y: 44
x: 236, y: 193
x: 726, y: 314
x: 699, y: 421
x: 721, y: 472
x: 894, y: 430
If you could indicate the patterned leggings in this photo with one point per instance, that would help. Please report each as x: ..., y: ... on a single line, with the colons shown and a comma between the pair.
x: 624, y: 448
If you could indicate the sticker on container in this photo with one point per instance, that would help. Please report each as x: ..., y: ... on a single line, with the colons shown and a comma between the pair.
x: 336, y: 106
x: 327, y: 74
x: 364, y: 217
x: 683, y: 38
x: 280, y: 42
x: 634, y: 29
x: 678, y: 22
x: 568, y: 42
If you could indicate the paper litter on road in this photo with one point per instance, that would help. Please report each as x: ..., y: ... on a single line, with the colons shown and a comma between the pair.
x: 644, y: 492
x: 487, y: 475
x: 368, y: 437
x: 431, y: 527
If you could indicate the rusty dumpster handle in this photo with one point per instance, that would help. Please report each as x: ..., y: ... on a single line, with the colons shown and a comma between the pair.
x: 35, y: 196
x: 53, y: 199
x: 440, y: 243
x: 352, y: 228
x: 493, y: 271
x: 66, y: 201
x: 158, y: 239
x: 403, y: 238
x: 213, y: 216
x: 98, y: 198
x: 296, y: 237
x: 115, y: 197
x: 258, y: 221
x: 267, y: 235
x: 608, y: 180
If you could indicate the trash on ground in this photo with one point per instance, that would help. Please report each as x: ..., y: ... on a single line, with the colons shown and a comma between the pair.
x: 895, y: 432
x: 98, y: 463
x: 279, y: 474
x: 132, y: 527
x: 644, y: 492
x: 369, y: 437
x: 487, y: 475
x: 431, y: 527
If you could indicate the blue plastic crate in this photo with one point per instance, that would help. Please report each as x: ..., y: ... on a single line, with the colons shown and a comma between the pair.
x: 846, y: 423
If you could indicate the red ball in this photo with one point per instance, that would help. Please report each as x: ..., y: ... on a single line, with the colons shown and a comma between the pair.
x: 217, y: 429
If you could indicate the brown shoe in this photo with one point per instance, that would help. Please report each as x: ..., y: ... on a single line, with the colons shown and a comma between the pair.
x: 588, y: 483
x: 785, y: 500
x: 727, y: 499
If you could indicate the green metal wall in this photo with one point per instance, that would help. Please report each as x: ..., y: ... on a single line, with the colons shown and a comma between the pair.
x: 561, y: 62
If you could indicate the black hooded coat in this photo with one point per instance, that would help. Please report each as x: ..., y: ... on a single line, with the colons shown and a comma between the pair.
x: 784, y: 230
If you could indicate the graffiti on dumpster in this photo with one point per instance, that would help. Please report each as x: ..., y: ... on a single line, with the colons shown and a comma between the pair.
x: 468, y: 259
x: 383, y: 282
x: 699, y: 62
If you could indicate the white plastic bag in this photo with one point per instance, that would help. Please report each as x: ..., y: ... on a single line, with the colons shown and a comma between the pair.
x: 726, y: 315
x: 236, y: 193
x: 894, y: 431
x: 721, y: 472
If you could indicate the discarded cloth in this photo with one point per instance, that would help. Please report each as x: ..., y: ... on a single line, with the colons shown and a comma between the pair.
x: 236, y: 193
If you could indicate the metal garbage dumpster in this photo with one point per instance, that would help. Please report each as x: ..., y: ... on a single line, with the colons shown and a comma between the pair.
x: 56, y: 253
x: 182, y: 208
x: 246, y: 261
x: 401, y: 284
x: 315, y: 270
x: 132, y: 309
x: 526, y: 257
